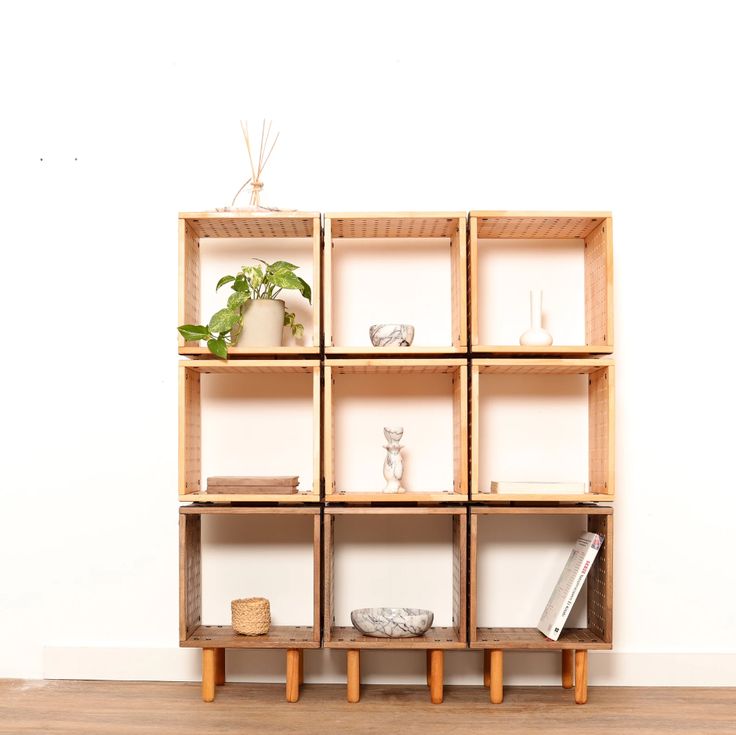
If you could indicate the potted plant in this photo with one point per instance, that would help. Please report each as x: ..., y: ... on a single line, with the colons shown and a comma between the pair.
x: 253, y: 315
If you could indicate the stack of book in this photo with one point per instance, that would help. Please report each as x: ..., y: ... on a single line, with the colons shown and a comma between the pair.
x: 252, y: 485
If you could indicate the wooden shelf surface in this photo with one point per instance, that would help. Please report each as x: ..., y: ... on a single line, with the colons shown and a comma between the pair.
x: 540, y: 366
x: 230, y: 509
x: 379, y: 497
x: 588, y: 510
x: 551, y: 351
x: 348, y: 637
x: 536, y: 225
x: 215, y: 366
x: 395, y: 365
x: 264, y: 498
x: 531, y: 639
x: 252, y: 224
x: 392, y: 224
x: 369, y: 351
x: 279, y: 636
x: 263, y: 352
x: 543, y: 497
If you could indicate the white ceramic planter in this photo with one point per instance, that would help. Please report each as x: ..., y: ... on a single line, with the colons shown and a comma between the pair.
x: 263, y: 323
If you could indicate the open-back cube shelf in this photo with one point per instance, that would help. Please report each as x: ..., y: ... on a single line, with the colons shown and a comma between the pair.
x: 191, y: 482
x: 441, y: 387
x: 521, y: 375
x: 414, y: 266
x: 566, y: 254
x: 598, y: 633
x: 439, y: 637
x: 193, y: 633
x: 247, y: 235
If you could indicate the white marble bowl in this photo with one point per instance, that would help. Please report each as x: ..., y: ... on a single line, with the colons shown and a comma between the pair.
x: 391, y: 335
x: 392, y: 622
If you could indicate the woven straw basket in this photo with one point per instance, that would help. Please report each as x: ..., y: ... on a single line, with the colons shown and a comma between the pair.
x: 251, y: 615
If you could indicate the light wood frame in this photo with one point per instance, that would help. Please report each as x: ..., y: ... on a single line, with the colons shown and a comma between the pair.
x: 400, y: 225
x: 601, y: 429
x: 196, y: 225
x: 436, y: 638
x: 595, y: 229
x: 192, y: 632
x: 598, y: 635
x: 190, y: 427
x: 457, y: 368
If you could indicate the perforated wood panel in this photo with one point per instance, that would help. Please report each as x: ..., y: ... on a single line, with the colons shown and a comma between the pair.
x: 231, y: 367
x: 190, y: 575
x: 531, y: 639
x: 399, y: 224
x: 600, y: 580
x: 190, y: 432
x: 278, y: 636
x: 395, y: 366
x: 227, y: 224
x: 189, y: 277
x: 598, y: 285
x: 540, y: 367
x: 460, y: 429
x: 459, y: 575
x: 528, y: 226
x: 343, y: 637
x: 600, y: 430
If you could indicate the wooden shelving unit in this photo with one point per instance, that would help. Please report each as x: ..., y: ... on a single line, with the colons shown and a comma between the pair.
x: 437, y: 639
x: 598, y: 634
x: 458, y: 368
x: 191, y: 483
x: 457, y: 389
x: 593, y: 231
x: 414, y: 229
x: 600, y: 416
x: 197, y: 228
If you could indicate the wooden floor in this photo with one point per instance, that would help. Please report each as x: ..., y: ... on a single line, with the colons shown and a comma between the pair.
x: 131, y: 708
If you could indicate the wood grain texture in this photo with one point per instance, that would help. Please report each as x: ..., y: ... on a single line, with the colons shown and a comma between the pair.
x: 434, y: 638
x: 292, y: 675
x: 208, y: 674
x: 174, y: 708
x: 460, y: 576
x: 567, y: 664
x: 278, y: 636
x: 353, y: 675
x: 496, y: 688
x: 581, y: 677
x: 437, y: 676
x: 190, y: 575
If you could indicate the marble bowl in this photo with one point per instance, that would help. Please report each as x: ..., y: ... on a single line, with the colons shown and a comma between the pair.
x: 391, y: 335
x: 392, y: 622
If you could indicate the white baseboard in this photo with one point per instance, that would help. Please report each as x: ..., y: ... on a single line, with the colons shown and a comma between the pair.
x: 328, y: 666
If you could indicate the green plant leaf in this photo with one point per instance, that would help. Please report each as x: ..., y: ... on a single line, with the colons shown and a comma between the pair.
x: 223, y: 281
x: 286, y: 279
x: 240, y: 285
x: 305, y: 289
x: 224, y: 320
x: 218, y: 347
x: 193, y: 332
x: 237, y: 299
x: 297, y: 329
x: 256, y: 277
x: 281, y: 265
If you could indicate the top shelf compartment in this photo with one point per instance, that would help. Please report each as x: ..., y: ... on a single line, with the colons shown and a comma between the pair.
x: 567, y: 255
x: 409, y: 267
x: 212, y: 244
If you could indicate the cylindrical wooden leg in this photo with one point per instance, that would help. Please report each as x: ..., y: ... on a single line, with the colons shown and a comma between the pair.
x: 496, y: 677
x: 437, y: 676
x: 581, y: 677
x: 353, y: 675
x: 208, y: 674
x: 429, y: 668
x: 301, y: 666
x: 568, y: 656
x: 292, y: 675
x: 219, y: 666
x: 486, y: 668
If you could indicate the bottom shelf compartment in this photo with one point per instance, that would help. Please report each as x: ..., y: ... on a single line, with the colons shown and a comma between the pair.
x: 279, y: 636
x: 434, y: 638
x: 533, y: 640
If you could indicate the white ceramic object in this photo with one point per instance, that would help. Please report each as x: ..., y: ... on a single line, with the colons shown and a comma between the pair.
x: 535, y: 335
x: 263, y: 323
x: 391, y: 335
x: 392, y: 622
x: 393, y: 465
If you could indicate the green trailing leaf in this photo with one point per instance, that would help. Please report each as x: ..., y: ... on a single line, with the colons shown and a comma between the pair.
x: 305, y: 289
x: 240, y: 285
x: 223, y: 281
x: 193, y: 332
x: 290, y: 321
x: 224, y: 320
x: 237, y: 299
x: 256, y: 277
x: 218, y: 347
x: 286, y: 279
x: 281, y: 265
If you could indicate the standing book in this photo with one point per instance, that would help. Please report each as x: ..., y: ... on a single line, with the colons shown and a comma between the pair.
x: 569, y: 585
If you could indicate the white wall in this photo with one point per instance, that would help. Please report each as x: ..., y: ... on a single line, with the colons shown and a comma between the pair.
x: 116, y: 117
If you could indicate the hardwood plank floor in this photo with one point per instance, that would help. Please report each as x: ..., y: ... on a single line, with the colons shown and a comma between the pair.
x: 171, y: 708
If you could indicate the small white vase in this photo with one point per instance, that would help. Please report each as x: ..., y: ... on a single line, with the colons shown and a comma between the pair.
x: 535, y: 335
x: 393, y: 465
x: 263, y: 323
